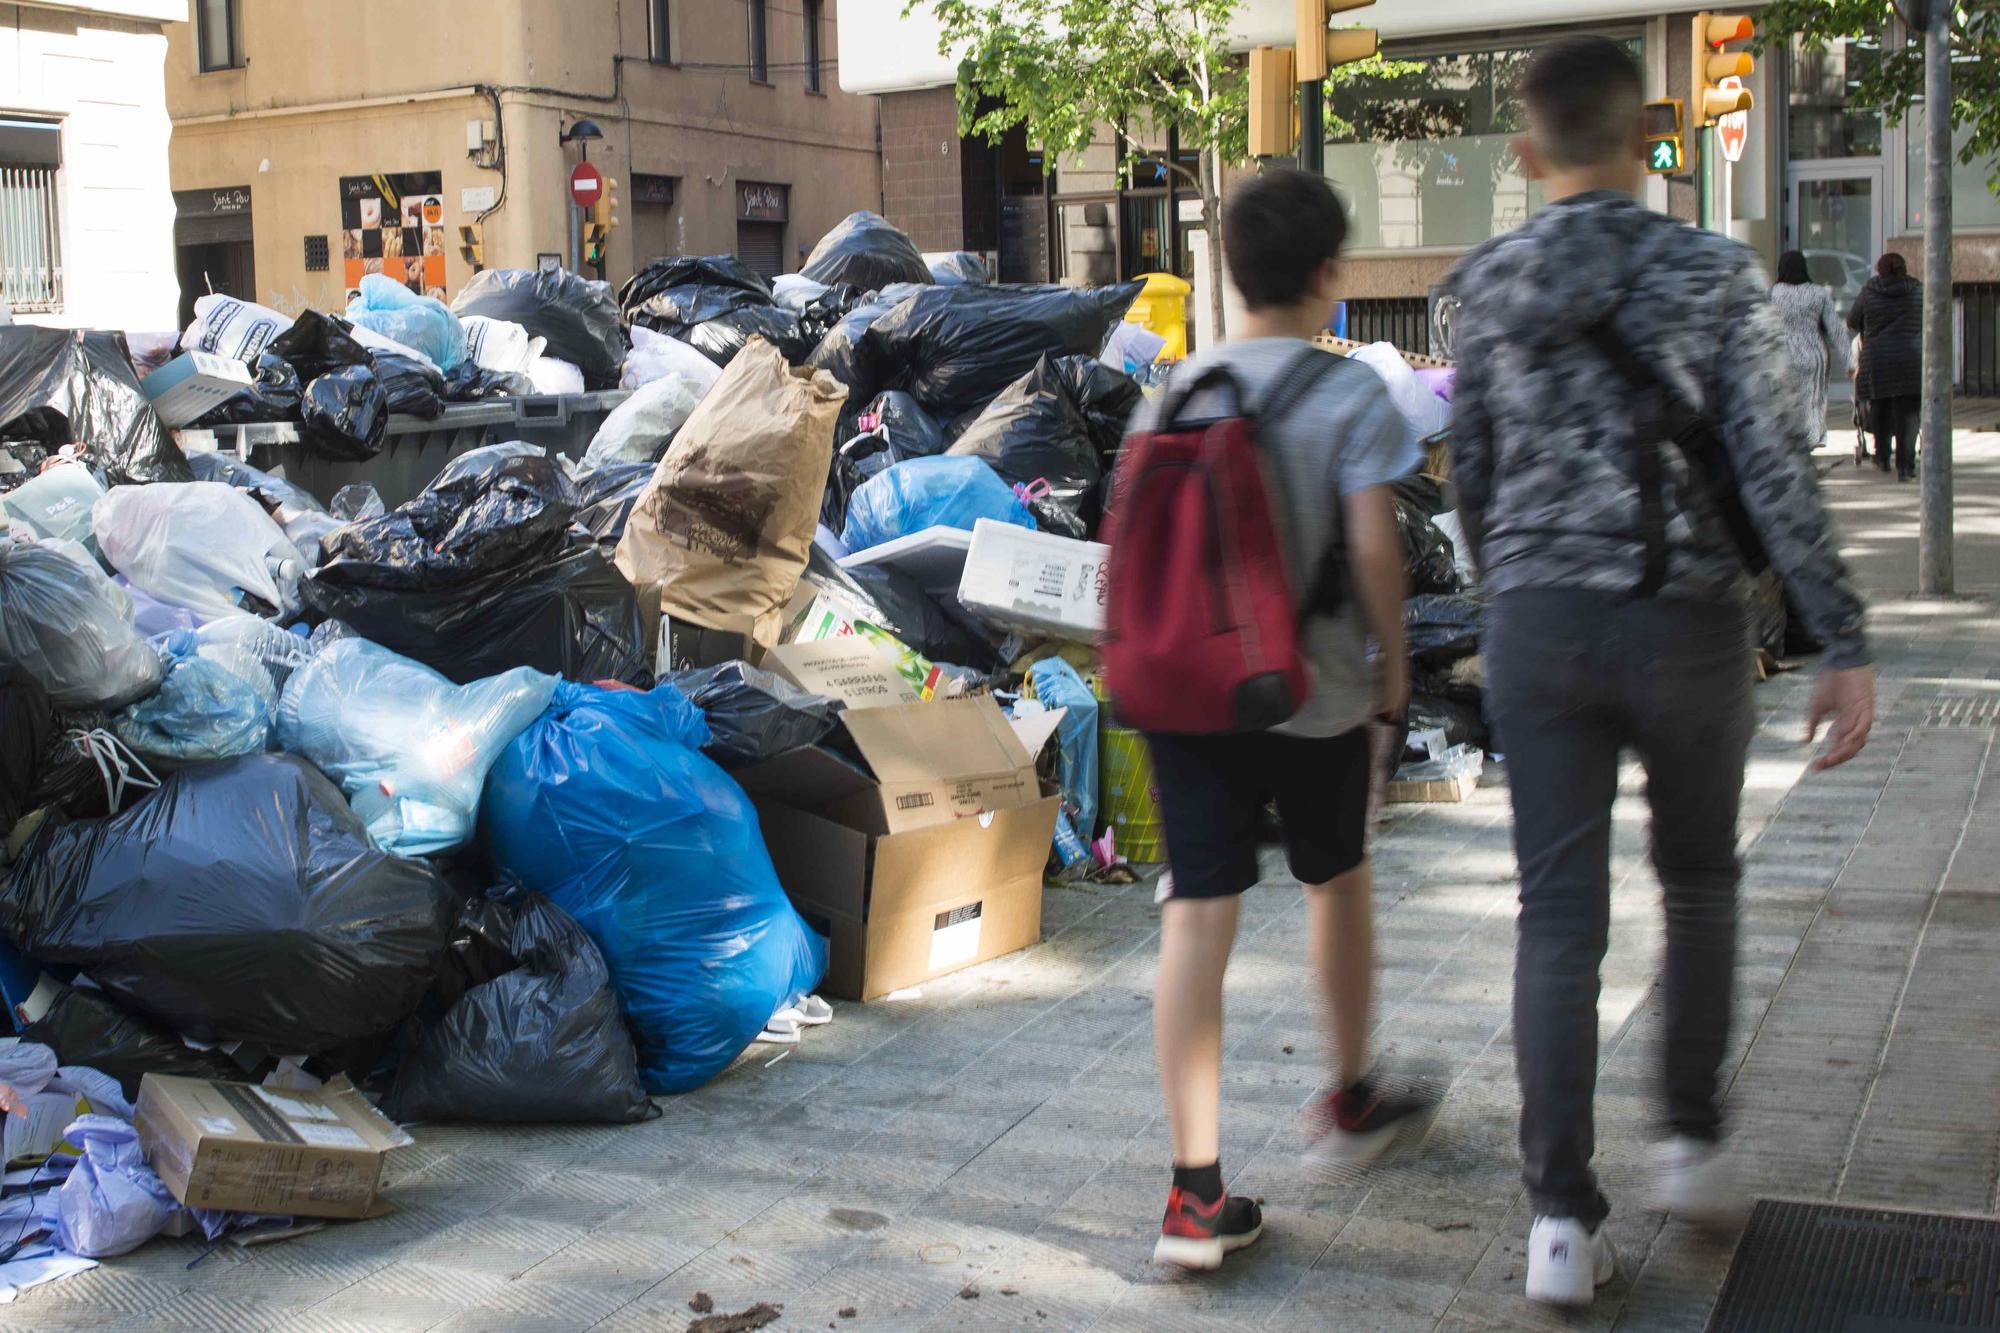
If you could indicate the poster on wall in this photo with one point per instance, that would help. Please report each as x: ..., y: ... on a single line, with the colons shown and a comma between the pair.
x: 393, y: 224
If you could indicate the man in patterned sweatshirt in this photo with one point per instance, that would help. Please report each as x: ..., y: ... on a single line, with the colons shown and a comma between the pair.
x: 1616, y: 616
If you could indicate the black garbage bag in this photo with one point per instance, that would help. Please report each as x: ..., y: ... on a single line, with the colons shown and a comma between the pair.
x: 82, y: 769
x: 544, y: 1043
x: 1425, y: 493
x: 939, y: 628
x: 721, y: 338
x: 578, y: 317
x: 481, y: 943
x: 913, y: 431
x: 1461, y: 719
x: 605, y: 499
x: 487, y: 510
x: 958, y: 268
x: 1056, y: 425
x: 672, y: 309
x: 469, y: 382
x: 89, y: 1028
x: 672, y: 271
x: 59, y: 387
x: 754, y: 715
x: 1428, y: 554
x: 954, y: 349
x: 843, y: 354
x: 27, y: 723
x: 864, y: 457
x: 865, y: 249
x: 274, y: 395
x: 818, y: 316
x: 243, y: 901
x: 415, y: 388
x: 345, y: 415
x: 1442, y: 628
x: 566, y: 611
x: 317, y: 343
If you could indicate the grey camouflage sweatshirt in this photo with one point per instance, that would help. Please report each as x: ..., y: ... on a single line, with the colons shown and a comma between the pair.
x: 1545, y: 429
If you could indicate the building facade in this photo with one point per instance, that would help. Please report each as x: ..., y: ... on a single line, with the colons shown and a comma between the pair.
x: 316, y: 143
x: 1424, y: 162
x: 86, y: 209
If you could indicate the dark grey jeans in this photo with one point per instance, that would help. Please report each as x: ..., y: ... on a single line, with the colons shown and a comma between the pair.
x: 1574, y: 678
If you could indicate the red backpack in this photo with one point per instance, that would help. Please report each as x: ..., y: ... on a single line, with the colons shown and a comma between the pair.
x: 1202, y: 628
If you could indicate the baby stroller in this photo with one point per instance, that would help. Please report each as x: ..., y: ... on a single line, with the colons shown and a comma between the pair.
x: 1860, y: 433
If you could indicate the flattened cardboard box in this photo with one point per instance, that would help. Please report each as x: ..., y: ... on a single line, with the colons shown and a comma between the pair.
x: 263, y: 1150
x: 850, y: 669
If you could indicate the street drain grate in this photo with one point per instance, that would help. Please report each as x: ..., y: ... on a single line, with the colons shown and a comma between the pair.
x: 1964, y: 713
x: 1823, y: 1268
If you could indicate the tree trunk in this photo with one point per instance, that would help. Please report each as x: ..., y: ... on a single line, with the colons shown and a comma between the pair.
x: 1934, y: 540
x: 1210, y: 183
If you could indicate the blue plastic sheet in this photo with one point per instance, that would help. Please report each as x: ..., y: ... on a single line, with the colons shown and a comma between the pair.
x: 607, y: 805
x: 919, y: 493
x: 408, y: 747
x: 425, y: 323
x: 1058, y: 686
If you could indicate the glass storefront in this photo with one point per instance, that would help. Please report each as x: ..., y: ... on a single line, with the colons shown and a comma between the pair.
x: 1819, y: 123
x: 1973, y: 202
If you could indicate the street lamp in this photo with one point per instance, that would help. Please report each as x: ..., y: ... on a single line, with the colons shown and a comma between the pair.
x: 582, y: 133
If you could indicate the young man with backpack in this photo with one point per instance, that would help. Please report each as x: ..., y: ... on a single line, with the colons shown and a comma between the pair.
x: 1254, y: 554
x: 1627, y: 438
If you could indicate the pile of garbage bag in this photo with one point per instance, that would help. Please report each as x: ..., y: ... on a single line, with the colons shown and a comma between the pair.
x: 713, y: 303
x: 1060, y: 424
x: 69, y: 628
x: 947, y: 492
x: 64, y: 388
x: 422, y: 323
x: 576, y: 317
x: 867, y: 252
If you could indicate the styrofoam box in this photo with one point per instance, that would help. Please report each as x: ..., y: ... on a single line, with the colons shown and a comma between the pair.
x: 1034, y: 582
x: 934, y: 557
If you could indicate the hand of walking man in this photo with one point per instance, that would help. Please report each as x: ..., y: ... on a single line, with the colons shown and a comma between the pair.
x: 1848, y: 698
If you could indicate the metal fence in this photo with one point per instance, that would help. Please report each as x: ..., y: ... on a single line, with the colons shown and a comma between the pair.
x: 1404, y: 321
x: 1978, y: 338
x: 31, y: 276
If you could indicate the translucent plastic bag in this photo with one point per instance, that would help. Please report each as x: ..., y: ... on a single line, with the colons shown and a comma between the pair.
x: 639, y: 429
x: 500, y: 344
x: 112, y: 1202
x: 1058, y: 686
x: 199, y: 544
x: 606, y: 805
x: 656, y: 355
x: 556, y: 377
x: 391, y: 309
x: 71, y: 629
x: 408, y: 747
x: 203, y: 711
x: 919, y: 493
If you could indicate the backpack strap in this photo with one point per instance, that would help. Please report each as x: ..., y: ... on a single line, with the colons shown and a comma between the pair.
x: 1305, y: 373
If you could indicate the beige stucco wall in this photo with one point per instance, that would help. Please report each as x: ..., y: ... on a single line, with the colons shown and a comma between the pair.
x: 285, y: 126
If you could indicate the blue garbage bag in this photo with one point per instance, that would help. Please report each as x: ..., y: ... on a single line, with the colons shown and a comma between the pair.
x: 1058, y: 686
x: 203, y: 711
x: 919, y: 493
x: 607, y: 805
x: 408, y: 747
x: 425, y: 323
x: 112, y: 1202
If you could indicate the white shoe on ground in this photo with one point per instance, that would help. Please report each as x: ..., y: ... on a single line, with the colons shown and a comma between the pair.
x: 1695, y: 1182
x: 1567, y: 1263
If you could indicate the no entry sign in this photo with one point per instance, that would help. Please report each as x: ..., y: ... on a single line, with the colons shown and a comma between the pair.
x: 586, y: 185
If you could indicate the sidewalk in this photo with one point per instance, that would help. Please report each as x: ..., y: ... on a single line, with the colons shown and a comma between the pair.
x: 992, y: 1155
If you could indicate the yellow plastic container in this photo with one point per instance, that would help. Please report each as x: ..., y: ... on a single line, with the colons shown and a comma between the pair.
x: 1129, y: 802
x: 1162, y: 307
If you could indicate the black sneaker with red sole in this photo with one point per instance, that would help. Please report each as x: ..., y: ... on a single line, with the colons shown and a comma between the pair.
x: 1197, y: 1235
x: 1360, y: 1124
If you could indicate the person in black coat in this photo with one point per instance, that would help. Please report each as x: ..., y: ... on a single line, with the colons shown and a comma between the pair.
x: 1889, y: 316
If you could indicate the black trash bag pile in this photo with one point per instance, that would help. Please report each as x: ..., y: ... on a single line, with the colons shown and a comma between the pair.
x: 1059, y: 424
x: 1442, y: 628
x: 469, y: 382
x: 544, y: 1042
x: 27, y: 725
x: 866, y: 251
x: 78, y: 773
x: 672, y: 271
x: 345, y: 415
x: 714, y: 304
x: 1428, y: 555
x: 274, y: 395
x: 954, y: 349
x: 870, y: 454
x: 89, y: 1028
x: 913, y: 431
x: 243, y: 901
x: 60, y: 387
x: 480, y: 573
x: 754, y: 715
x: 578, y: 317
x: 317, y: 343
x: 605, y: 498
x: 843, y: 351
x: 1445, y: 705
x: 821, y: 315
x: 414, y: 388
x: 889, y: 599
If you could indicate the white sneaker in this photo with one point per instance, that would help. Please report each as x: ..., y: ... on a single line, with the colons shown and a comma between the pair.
x: 1695, y: 1182
x: 1567, y: 1263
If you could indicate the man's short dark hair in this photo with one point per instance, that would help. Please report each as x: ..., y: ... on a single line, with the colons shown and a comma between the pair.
x: 1583, y: 96
x: 1277, y: 229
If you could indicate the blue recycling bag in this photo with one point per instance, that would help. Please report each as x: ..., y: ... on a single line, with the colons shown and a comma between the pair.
x: 1058, y: 686
x: 947, y: 491
x: 425, y: 323
x: 607, y: 805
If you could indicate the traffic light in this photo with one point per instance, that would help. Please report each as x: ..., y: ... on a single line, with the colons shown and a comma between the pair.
x: 1711, y: 98
x: 1319, y: 50
x: 1666, y: 152
x: 605, y: 211
x: 1274, y: 105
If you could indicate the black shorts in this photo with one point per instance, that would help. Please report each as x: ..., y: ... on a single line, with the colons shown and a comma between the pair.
x: 1212, y: 794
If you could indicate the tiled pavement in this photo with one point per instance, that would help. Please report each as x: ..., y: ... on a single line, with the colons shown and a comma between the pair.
x: 991, y: 1154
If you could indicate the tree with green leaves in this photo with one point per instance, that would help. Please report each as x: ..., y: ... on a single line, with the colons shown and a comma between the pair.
x: 1069, y: 73
x: 1894, y: 80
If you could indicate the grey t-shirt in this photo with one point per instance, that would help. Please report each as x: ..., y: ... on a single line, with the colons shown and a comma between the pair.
x: 1343, y: 436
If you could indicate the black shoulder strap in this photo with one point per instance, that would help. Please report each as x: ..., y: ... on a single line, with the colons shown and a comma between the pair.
x: 1300, y: 378
x: 1678, y: 419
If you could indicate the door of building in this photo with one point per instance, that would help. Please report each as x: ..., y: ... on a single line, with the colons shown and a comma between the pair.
x: 1838, y: 219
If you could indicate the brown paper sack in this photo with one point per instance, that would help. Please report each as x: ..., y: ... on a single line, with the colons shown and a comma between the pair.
x: 720, y: 535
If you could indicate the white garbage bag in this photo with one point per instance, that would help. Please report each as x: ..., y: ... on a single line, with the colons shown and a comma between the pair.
x: 501, y: 344
x: 199, y: 544
x: 230, y: 326
x: 639, y: 429
x: 1423, y: 411
x: 555, y: 377
x: 655, y: 356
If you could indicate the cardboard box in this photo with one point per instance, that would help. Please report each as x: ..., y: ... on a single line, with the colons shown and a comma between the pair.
x: 926, y: 860
x: 1433, y: 791
x: 193, y: 383
x: 1035, y: 583
x: 851, y: 669
x: 260, y: 1150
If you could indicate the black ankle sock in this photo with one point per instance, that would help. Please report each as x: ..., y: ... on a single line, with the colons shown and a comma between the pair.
x: 1204, y: 1182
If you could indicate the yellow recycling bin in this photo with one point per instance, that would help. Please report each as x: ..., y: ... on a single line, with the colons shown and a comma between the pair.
x: 1127, y: 800
x: 1162, y: 307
